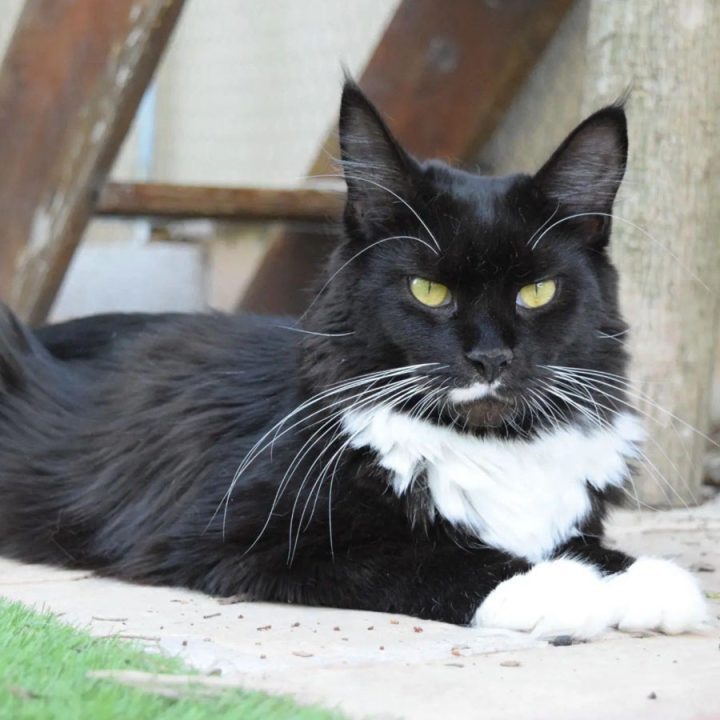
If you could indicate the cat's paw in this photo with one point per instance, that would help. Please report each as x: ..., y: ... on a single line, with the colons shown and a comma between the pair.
x: 655, y: 594
x: 557, y: 597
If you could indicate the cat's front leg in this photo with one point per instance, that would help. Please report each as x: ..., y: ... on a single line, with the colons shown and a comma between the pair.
x: 656, y: 594
x: 571, y: 595
x: 645, y: 593
x: 558, y: 597
x: 433, y: 581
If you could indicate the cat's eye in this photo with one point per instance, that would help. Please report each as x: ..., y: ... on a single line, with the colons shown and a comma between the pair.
x: 536, y: 295
x: 427, y: 292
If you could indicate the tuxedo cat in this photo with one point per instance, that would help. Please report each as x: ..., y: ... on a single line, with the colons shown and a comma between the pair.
x: 439, y: 435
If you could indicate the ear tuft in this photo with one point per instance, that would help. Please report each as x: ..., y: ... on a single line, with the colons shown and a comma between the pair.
x: 377, y: 170
x: 584, y: 174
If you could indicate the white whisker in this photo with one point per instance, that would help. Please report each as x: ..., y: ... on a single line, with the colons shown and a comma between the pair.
x: 357, y: 255
x: 631, y: 224
x: 312, y: 332
x: 391, y: 399
x: 564, y: 375
x: 271, y: 436
x: 390, y: 192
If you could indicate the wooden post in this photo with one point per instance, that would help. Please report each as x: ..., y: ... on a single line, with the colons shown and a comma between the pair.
x: 669, y: 52
x: 71, y: 81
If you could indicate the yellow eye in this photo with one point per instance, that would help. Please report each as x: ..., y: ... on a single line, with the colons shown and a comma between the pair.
x: 429, y: 293
x: 536, y: 295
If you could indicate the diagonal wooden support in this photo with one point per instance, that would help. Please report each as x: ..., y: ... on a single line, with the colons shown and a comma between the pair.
x: 71, y: 81
x: 443, y: 74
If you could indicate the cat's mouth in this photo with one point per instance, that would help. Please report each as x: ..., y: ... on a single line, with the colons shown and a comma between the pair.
x: 473, y: 393
x: 481, y: 404
x: 485, y: 413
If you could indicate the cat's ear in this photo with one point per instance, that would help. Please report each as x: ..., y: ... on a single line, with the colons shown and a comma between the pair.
x: 378, y: 172
x: 583, y: 175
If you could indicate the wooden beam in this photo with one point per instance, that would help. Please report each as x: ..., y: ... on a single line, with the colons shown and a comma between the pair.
x: 240, y: 204
x: 70, y: 83
x: 443, y: 75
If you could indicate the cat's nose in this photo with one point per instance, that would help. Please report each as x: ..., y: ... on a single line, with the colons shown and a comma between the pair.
x: 490, y: 363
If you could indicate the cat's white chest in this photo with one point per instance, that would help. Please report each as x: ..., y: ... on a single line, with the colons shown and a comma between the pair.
x: 525, y: 497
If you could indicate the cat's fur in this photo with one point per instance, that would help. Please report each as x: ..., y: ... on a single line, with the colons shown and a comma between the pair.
x: 238, y: 455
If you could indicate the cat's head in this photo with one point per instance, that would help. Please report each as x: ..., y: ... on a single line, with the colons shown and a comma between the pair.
x: 488, y: 285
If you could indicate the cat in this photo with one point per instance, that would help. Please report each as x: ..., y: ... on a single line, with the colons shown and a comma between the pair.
x: 440, y: 434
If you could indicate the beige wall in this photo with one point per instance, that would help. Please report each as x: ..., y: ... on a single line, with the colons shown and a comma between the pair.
x: 248, y: 88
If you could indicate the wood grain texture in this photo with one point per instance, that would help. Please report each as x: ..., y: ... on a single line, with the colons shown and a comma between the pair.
x: 670, y: 274
x: 443, y: 75
x: 242, y: 204
x: 71, y: 81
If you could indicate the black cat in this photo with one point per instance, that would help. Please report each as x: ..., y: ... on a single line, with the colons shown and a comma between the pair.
x: 439, y: 434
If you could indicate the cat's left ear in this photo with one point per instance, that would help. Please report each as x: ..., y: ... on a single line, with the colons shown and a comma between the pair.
x: 583, y: 175
x: 378, y: 172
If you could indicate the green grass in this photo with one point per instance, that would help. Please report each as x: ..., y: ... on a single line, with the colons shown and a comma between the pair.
x: 43, y: 667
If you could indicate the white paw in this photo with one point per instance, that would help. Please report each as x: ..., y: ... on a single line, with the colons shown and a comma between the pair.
x: 656, y: 594
x: 567, y: 597
x: 558, y: 597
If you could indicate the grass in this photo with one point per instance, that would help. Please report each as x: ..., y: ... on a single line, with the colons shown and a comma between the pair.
x: 43, y: 676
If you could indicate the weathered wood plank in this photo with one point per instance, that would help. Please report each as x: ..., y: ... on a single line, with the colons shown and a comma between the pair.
x: 443, y: 74
x: 241, y: 204
x: 71, y: 81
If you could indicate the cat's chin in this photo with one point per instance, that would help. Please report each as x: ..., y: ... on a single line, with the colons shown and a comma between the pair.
x: 486, y: 413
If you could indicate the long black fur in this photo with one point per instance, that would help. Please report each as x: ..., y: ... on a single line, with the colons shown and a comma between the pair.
x: 120, y: 435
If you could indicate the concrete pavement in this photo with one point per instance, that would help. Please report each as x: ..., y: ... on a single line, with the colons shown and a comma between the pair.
x: 383, y: 666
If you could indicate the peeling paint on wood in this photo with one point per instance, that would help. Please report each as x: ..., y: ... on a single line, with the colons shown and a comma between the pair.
x: 47, y: 187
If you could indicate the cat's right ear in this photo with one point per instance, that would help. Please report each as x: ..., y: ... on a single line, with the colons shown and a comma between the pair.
x: 378, y: 172
x: 584, y: 174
